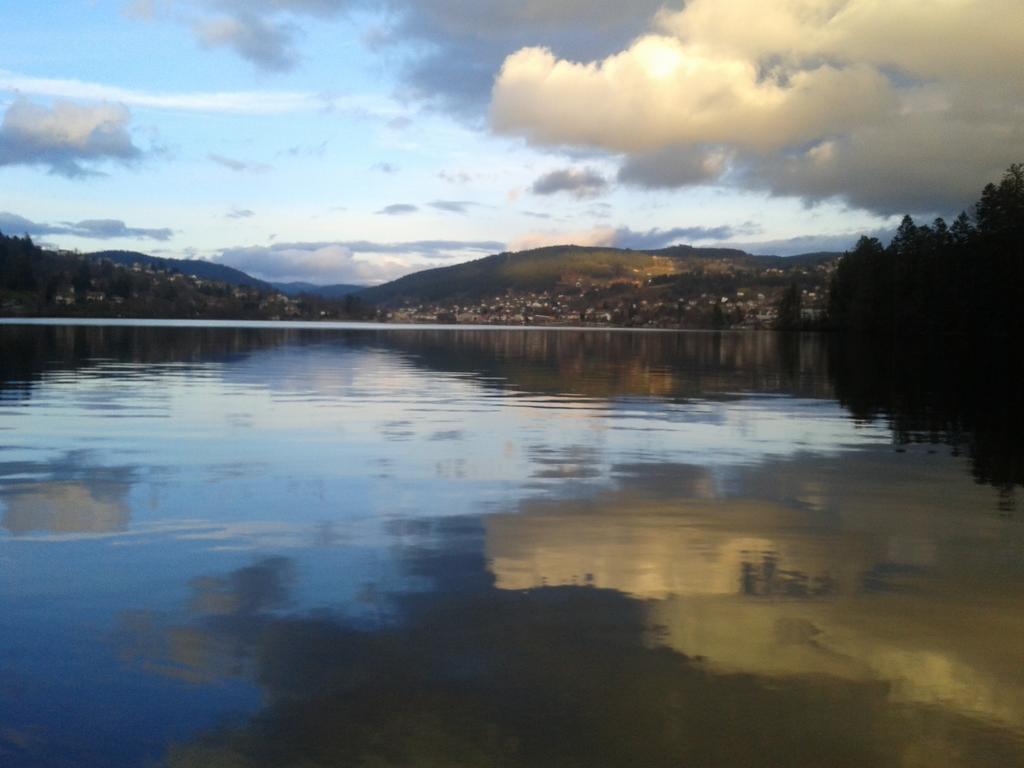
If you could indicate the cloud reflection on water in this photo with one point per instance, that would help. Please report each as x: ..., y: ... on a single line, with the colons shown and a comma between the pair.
x: 66, y: 495
x: 858, y: 569
x: 469, y: 673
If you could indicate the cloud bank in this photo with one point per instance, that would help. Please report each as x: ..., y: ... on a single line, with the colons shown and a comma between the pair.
x: 99, y: 229
x: 891, y: 106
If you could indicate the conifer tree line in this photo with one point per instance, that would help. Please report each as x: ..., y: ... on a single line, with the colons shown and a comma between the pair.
x: 966, y: 278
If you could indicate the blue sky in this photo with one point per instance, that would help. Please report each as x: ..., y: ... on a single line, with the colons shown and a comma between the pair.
x: 357, y: 140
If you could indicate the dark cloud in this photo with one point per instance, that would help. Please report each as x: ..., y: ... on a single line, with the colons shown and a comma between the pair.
x: 922, y: 166
x: 239, y: 213
x: 13, y: 224
x: 99, y: 229
x: 870, y: 169
x: 656, y: 238
x: 461, y: 43
x: 266, y: 43
x: 238, y: 166
x: 453, y: 206
x: 398, y: 209
x: 467, y: 40
x: 67, y: 139
x: 105, y: 229
x: 581, y: 183
x: 812, y: 243
x: 384, y: 167
x: 672, y: 167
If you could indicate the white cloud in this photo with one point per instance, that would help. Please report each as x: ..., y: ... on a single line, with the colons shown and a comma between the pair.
x: 659, y: 93
x: 355, y: 261
x: 230, y: 102
x: 860, y: 99
x: 66, y: 138
x: 313, y: 262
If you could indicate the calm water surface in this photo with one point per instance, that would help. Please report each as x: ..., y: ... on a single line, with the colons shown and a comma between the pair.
x: 276, y: 546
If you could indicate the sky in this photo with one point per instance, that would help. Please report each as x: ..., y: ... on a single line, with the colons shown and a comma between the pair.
x: 358, y: 140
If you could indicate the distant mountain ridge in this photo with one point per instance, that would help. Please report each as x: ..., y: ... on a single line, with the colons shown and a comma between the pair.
x: 543, y: 269
x: 222, y: 273
x: 204, y: 270
x: 335, y: 291
x: 535, y: 270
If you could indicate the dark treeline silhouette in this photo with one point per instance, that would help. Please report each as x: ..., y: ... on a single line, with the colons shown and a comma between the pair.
x: 961, y: 278
x: 20, y: 261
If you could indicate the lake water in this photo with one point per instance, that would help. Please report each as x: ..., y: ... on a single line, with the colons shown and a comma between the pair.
x: 268, y: 545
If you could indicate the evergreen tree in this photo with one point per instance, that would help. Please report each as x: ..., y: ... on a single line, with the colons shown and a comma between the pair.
x: 940, y: 279
x: 789, y: 307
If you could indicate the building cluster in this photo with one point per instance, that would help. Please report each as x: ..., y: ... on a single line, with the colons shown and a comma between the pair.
x: 640, y: 307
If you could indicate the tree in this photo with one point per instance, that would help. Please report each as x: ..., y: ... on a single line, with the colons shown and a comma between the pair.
x: 962, y: 230
x: 82, y: 280
x: 717, y: 318
x: 1000, y: 211
x: 789, y: 309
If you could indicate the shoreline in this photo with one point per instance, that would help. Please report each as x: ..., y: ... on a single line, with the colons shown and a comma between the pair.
x: 345, y: 325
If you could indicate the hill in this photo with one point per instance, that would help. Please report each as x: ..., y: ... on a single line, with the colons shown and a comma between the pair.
x: 677, y: 287
x: 535, y: 270
x: 572, y: 267
x: 35, y: 282
x: 335, y: 291
x: 204, y: 270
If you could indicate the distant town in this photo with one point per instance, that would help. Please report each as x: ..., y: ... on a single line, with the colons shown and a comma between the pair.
x: 751, y: 302
x: 588, y: 287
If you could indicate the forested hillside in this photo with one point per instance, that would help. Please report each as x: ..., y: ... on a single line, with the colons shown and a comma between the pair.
x: 35, y: 282
x: 965, y: 278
